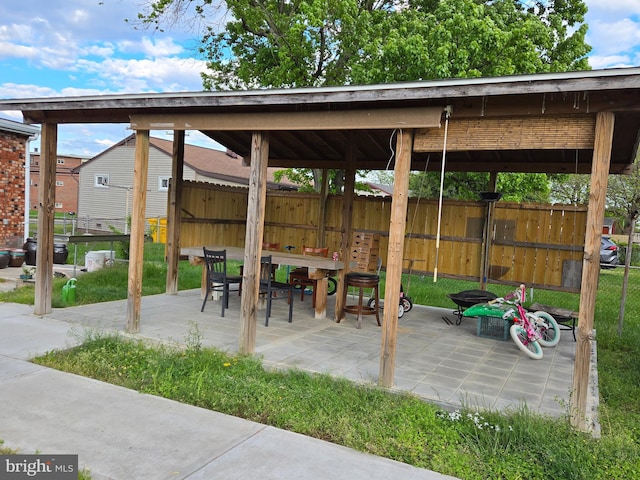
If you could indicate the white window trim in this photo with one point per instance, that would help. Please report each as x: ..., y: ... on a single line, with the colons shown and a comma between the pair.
x: 161, y: 178
x: 97, y: 183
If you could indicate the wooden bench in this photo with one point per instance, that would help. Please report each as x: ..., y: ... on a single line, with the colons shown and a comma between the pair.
x: 565, y: 317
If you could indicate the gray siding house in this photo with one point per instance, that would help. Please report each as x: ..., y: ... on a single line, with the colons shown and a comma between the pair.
x: 106, y: 181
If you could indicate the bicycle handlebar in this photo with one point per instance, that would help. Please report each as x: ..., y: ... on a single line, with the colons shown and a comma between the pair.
x: 507, y: 298
x: 512, y: 295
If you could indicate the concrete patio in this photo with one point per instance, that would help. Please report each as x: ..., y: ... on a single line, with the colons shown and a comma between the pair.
x: 442, y: 363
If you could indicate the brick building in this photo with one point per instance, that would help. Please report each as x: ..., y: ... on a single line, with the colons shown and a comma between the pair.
x: 14, y: 155
x: 67, y: 181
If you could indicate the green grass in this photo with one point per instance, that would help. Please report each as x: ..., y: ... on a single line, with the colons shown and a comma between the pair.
x: 111, y: 283
x: 464, y: 444
x: 374, y: 420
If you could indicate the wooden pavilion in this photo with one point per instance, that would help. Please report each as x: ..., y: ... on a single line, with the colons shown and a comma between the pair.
x: 576, y: 122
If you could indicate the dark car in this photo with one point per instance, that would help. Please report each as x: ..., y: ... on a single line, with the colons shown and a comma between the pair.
x: 608, y: 253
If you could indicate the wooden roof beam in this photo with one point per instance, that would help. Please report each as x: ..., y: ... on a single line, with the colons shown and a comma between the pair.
x: 424, y: 117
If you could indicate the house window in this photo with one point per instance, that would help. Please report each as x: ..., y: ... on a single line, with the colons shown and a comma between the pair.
x: 59, y: 183
x: 101, y: 181
x: 58, y: 205
x: 163, y: 184
x: 61, y: 161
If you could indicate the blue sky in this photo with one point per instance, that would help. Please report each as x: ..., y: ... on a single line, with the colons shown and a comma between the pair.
x: 85, y: 47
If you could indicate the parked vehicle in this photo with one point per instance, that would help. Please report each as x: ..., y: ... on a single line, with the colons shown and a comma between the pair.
x: 608, y: 253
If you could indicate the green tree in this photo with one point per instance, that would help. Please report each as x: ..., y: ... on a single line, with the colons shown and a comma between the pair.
x: 300, y: 43
x: 623, y: 196
x: 514, y: 187
x: 570, y: 189
x: 470, y: 38
x: 307, y: 179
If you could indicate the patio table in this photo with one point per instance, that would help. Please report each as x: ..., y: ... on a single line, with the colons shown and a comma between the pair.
x: 319, y: 268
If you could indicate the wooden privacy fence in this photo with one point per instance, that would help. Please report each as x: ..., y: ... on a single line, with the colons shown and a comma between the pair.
x: 539, y: 245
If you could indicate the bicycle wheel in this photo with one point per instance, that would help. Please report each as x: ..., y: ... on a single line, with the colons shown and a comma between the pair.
x: 372, y: 302
x: 531, y: 348
x: 407, y: 304
x: 547, y: 327
x: 332, y: 287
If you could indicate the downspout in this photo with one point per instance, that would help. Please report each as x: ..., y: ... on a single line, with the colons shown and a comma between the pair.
x: 27, y: 184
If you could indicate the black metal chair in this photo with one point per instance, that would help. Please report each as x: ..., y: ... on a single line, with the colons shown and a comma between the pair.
x: 217, y: 278
x: 269, y: 287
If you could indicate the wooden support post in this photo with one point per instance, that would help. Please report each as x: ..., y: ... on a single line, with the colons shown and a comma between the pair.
x: 136, y: 246
x: 591, y: 268
x: 46, y: 217
x: 175, y: 212
x: 485, y: 258
x: 321, y: 240
x: 493, y: 181
x: 253, y: 240
x: 347, y: 224
x: 399, y: 203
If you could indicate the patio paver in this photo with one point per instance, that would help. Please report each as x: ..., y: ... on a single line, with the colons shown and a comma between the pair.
x: 441, y: 363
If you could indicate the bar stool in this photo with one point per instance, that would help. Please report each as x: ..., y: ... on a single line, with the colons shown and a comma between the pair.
x: 361, y: 281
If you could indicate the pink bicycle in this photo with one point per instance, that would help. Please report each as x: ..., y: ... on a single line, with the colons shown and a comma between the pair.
x: 529, y: 331
x: 523, y: 331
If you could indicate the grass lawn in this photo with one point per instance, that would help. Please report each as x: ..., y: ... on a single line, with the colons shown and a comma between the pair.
x: 466, y: 444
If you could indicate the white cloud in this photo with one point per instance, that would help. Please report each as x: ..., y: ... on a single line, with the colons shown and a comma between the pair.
x: 105, y: 142
x: 160, y: 48
x: 619, y: 7
x: 616, y: 37
x: 11, y: 115
x: 11, y: 50
x: 614, y: 32
x: 13, y: 90
x: 89, y: 139
x: 162, y: 74
x: 79, y: 16
x: 613, y: 61
x: 16, y: 33
x: 106, y: 50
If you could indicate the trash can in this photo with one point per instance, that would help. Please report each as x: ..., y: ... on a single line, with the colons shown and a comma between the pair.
x: 94, y: 260
x: 30, y: 247
x: 16, y: 257
x: 69, y: 292
x: 4, y: 257
x: 60, y: 253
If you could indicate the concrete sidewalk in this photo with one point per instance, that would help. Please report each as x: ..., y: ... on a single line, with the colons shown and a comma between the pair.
x: 121, y: 434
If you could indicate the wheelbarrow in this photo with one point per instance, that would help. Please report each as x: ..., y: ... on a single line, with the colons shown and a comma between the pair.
x: 466, y: 299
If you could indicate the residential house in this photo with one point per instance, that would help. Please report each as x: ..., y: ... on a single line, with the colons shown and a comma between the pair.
x: 608, y: 225
x: 14, y: 161
x: 106, y: 180
x: 67, y: 181
x: 378, y: 190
